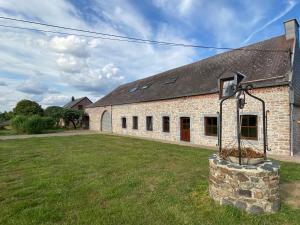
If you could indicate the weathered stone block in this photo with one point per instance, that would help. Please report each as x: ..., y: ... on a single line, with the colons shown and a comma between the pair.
x: 254, y: 179
x: 241, y: 205
x: 245, y: 193
x: 254, y: 209
x: 258, y: 194
x: 276, y: 205
x: 227, y: 201
x: 242, y: 177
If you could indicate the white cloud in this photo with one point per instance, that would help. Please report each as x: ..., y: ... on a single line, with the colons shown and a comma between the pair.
x: 81, y: 66
x: 71, y: 64
x: 177, y: 7
x: 54, y: 11
x: 9, y: 98
x: 185, y: 6
x: 96, y: 80
x: 70, y: 44
x: 57, y: 100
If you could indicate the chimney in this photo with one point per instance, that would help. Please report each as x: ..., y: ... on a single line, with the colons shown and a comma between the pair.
x: 73, y: 99
x: 291, y: 28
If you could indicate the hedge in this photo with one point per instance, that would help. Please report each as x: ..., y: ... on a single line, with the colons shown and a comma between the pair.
x: 33, y: 124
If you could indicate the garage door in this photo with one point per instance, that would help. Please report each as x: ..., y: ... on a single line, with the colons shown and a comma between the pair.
x: 106, y: 122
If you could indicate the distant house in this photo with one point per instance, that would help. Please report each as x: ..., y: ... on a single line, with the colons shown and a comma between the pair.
x: 79, y: 103
x: 182, y: 104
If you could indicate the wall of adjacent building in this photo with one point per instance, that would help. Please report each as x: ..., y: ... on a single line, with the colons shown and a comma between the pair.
x: 296, y: 130
x: 296, y: 77
x: 85, y: 102
x: 197, y: 107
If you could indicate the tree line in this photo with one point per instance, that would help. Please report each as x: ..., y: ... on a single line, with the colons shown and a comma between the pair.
x: 29, y: 117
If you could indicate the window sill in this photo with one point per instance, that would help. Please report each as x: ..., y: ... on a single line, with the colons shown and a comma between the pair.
x: 207, y: 135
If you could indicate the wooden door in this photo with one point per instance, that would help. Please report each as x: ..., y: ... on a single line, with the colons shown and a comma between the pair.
x: 185, y: 128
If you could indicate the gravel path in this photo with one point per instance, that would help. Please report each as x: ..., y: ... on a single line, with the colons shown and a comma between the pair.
x: 59, y: 134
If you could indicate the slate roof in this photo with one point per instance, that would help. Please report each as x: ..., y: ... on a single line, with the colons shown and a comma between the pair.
x: 262, y: 69
x: 70, y: 104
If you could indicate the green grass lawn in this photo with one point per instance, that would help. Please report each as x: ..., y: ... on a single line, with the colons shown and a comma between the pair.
x: 7, y: 131
x: 99, y: 179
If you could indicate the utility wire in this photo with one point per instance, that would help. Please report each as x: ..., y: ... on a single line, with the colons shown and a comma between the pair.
x: 114, y: 37
x: 65, y: 33
x: 111, y: 35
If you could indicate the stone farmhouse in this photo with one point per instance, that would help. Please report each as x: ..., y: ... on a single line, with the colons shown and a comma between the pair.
x: 182, y: 104
x: 79, y: 103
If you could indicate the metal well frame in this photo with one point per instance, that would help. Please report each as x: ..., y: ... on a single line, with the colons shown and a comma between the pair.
x: 240, y: 102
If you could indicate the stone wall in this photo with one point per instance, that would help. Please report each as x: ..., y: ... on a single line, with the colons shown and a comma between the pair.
x: 254, y: 189
x: 95, y: 115
x: 277, y: 102
x: 197, y: 107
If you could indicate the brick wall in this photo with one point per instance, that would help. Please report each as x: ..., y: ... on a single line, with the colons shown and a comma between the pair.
x: 276, y: 98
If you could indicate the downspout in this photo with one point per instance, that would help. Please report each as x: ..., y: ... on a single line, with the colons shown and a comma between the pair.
x: 291, y: 129
x: 111, y: 123
x: 291, y: 102
x: 292, y: 33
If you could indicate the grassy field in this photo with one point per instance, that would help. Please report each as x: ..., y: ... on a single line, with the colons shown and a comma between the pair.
x: 7, y: 131
x: 98, y: 179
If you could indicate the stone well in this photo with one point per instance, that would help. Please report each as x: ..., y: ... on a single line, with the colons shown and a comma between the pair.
x: 253, y: 188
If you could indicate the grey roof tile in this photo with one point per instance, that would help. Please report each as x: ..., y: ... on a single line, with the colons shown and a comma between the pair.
x: 267, y: 68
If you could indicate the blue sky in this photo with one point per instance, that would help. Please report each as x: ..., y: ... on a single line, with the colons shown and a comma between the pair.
x: 51, y: 68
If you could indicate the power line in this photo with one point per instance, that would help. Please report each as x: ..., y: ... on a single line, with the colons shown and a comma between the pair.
x: 65, y: 33
x: 114, y: 37
x: 111, y: 35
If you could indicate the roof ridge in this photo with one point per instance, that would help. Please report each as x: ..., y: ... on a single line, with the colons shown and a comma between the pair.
x: 213, y: 56
x: 201, y: 76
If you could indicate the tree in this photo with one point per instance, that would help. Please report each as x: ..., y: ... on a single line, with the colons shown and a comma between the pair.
x: 72, y: 115
x: 54, y: 112
x: 27, y: 108
x: 6, y: 116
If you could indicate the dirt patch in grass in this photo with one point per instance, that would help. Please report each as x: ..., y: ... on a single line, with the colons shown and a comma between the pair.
x: 290, y: 194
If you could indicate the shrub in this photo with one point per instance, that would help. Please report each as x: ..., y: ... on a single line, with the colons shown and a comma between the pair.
x: 18, y: 123
x: 34, y: 125
x: 54, y: 112
x: 49, y: 123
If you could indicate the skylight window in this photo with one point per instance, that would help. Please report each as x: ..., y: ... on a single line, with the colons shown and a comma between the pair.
x: 145, y: 86
x: 170, y: 80
x: 133, y: 89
